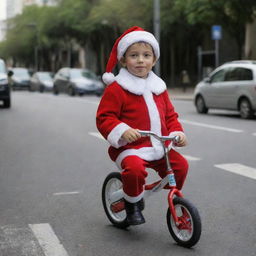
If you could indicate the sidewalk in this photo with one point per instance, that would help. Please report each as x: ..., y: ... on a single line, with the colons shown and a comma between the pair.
x: 178, y: 94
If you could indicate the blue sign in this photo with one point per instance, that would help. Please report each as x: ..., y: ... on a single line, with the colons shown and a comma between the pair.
x: 216, y: 32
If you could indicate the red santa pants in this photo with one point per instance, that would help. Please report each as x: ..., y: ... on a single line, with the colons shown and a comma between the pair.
x: 134, y: 173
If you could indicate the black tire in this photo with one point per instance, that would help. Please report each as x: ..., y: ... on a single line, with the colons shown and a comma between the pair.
x: 183, y: 236
x: 245, y: 109
x: 41, y: 89
x: 200, y: 105
x: 7, y: 103
x: 55, y: 90
x: 71, y: 91
x: 113, y: 182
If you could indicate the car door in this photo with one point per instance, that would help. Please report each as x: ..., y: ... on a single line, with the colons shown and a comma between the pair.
x: 213, y: 94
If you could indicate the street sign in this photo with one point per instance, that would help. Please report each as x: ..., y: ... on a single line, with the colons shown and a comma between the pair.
x: 216, y: 32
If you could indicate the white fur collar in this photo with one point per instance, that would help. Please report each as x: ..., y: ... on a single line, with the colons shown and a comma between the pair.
x: 138, y: 85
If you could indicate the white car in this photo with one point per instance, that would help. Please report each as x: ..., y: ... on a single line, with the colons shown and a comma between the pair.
x: 231, y: 86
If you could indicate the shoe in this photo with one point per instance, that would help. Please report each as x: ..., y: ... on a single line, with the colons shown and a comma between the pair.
x: 134, y: 215
x: 141, y: 204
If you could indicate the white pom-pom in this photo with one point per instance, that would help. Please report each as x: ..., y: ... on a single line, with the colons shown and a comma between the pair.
x: 108, y: 78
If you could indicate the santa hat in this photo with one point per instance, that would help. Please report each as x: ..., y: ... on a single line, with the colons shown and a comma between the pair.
x: 129, y: 37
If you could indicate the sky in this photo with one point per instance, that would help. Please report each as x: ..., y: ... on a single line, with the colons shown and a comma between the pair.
x: 2, y: 9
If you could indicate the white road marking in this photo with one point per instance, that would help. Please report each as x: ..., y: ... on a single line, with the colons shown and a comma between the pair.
x: 192, y: 158
x: 47, y: 239
x: 210, y: 126
x: 97, y: 134
x: 238, y: 169
x: 189, y: 158
x: 66, y: 193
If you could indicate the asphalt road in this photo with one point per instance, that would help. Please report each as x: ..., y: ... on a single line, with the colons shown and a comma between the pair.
x: 53, y: 164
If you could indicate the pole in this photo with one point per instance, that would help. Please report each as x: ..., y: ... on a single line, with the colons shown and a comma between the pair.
x: 216, y: 53
x: 157, y: 30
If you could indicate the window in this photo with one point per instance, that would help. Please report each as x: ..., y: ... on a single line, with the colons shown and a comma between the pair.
x: 219, y: 76
x: 246, y: 74
x: 239, y: 74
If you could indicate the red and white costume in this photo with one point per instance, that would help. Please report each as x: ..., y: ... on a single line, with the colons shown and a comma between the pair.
x: 133, y: 102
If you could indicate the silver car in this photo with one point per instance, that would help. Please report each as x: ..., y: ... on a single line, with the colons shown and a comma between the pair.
x: 231, y: 86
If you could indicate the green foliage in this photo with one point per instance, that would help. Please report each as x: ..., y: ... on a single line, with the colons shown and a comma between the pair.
x: 99, y: 22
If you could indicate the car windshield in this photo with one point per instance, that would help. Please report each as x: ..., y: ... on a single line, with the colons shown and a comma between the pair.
x: 44, y: 76
x: 20, y: 72
x: 82, y: 73
x: 2, y: 67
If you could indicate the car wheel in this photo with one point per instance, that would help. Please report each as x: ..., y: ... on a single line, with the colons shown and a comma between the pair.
x: 41, y: 89
x: 71, y: 91
x: 200, y: 105
x: 245, y: 109
x: 55, y: 90
x: 7, y: 103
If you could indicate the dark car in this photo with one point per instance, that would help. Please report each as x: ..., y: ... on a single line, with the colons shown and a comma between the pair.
x: 77, y: 81
x: 20, y: 78
x: 41, y: 81
x: 5, y: 95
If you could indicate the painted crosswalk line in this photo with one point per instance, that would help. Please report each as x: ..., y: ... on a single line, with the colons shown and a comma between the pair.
x: 238, y: 169
x: 47, y: 239
x: 216, y: 127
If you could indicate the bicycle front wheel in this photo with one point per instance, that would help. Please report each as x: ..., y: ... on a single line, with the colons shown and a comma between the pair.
x: 187, y: 233
x: 115, y: 211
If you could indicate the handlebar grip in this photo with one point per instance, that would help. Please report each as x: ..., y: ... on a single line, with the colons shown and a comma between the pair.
x: 176, y: 139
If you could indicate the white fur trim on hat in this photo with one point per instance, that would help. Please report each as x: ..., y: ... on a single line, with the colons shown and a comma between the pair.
x: 108, y: 78
x: 135, y: 37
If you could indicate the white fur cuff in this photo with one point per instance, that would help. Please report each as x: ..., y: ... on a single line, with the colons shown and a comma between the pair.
x: 114, y: 137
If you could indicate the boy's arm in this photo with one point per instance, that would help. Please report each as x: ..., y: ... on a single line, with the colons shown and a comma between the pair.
x: 108, y: 116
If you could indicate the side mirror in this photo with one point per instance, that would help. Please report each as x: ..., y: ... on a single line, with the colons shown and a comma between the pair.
x: 10, y: 73
x: 207, y: 80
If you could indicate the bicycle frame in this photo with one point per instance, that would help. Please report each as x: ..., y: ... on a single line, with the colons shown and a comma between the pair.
x: 116, y: 197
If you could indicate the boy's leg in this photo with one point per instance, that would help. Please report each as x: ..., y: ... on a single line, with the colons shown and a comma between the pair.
x: 179, y: 166
x: 133, y: 178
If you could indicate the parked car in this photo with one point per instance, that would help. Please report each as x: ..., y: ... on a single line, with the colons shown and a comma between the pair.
x: 20, y: 78
x: 77, y: 81
x: 41, y: 81
x: 5, y: 94
x: 231, y: 86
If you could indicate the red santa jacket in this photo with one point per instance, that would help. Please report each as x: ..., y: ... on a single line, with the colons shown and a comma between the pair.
x: 133, y: 102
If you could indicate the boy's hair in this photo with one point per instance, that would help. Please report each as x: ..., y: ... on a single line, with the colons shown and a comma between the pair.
x: 129, y: 37
x: 141, y: 42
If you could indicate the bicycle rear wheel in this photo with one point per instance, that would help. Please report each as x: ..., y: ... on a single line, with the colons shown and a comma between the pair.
x: 115, y: 211
x: 188, y: 232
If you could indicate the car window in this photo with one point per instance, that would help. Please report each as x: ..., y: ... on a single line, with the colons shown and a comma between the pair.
x: 64, y: 73
x: 218, y: 76
x: 246, y: 74
x: 44, y: 76
x: 80, y: 73
x: 20, y: 72
x: 238, y: 74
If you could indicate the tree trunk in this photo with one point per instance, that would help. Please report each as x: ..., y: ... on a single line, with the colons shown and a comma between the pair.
x: 250, y: 39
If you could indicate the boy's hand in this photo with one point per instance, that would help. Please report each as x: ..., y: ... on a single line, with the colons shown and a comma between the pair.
x: 131, y: 135
x: 183, y: 140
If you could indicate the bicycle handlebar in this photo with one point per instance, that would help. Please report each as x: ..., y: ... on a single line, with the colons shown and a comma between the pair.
x: 175, y: 138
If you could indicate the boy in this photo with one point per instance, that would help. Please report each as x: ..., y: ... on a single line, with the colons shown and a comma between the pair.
x: 137, y: 99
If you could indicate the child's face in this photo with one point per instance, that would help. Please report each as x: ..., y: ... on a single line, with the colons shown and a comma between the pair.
x: 139, y: 59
